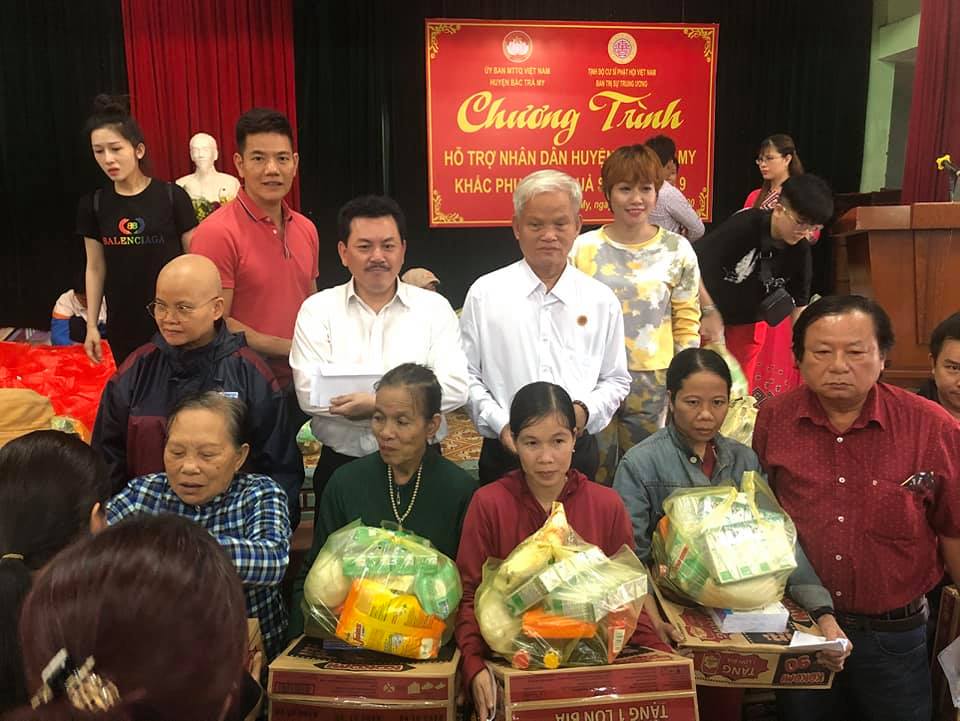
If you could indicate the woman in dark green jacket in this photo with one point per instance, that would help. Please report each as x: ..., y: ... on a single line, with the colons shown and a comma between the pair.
x: 404, y: 484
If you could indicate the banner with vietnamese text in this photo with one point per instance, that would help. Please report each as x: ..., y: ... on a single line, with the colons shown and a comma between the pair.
x: 507, y: 98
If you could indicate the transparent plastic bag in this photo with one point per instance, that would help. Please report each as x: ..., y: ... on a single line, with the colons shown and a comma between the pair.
x: 742, y: 411
x: 559, y: 601
x: 726, y: 548
x: 741, y: 420
x: 385, y: 590
x: 740, y: 387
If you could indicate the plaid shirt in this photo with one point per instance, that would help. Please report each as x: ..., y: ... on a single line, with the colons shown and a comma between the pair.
x: 251, y: 522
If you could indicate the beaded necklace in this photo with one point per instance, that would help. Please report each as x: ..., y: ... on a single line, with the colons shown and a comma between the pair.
x: 394, y: 497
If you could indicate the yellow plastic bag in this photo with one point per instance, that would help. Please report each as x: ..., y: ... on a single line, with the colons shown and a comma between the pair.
x: 742, y: 411
x: 724, y: 547
x: 559, y: 601
x: 741, y: 420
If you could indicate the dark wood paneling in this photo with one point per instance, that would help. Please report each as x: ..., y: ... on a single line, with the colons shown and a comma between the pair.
x: 908, y: 259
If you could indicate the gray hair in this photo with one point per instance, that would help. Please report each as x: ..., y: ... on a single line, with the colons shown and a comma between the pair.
x: 232, y: 410
x: 546, y: 181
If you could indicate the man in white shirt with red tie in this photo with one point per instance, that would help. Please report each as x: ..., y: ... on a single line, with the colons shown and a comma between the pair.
x: 540, y: 319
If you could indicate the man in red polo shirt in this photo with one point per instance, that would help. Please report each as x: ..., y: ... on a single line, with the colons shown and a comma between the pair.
x: 267, y: 253
x: 869, y: 474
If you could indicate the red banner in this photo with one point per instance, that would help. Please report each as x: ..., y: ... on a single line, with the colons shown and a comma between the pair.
x: 507, y: 98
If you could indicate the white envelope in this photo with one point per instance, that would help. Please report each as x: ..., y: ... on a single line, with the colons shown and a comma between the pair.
x: 332, y: 380
x: 809, y: 642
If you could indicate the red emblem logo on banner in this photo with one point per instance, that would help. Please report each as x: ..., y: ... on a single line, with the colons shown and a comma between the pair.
x: 622, y: 48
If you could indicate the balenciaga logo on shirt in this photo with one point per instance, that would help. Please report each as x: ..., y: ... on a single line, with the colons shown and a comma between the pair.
x: 132, y: 232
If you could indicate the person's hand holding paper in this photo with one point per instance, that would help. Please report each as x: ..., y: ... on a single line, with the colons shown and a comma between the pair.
x: 343, y: 390
x: 833, y: 658
x: 356, y: 406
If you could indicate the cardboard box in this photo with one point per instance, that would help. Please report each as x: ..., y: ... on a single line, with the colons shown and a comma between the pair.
x: 640, y: 685
x: 310, y: 683
x: 255, y: 646
x: 746, y: 659
x: 254, y: 638
x: 948, y: 628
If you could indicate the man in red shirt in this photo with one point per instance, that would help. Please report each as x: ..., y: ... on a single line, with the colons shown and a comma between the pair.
x: 267, y: 254
x: 869, y: 474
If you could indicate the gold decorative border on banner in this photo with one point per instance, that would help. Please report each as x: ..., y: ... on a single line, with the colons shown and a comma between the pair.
x: 435, y: 31
x: 702, y: 203
x: 439, y: 216
x: 707, y: 35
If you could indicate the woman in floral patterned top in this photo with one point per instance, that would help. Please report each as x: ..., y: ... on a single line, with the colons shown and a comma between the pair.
x: 655, y: 275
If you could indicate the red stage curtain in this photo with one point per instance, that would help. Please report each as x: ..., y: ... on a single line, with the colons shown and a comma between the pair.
x: 935, y: 107
x: 196, y: 65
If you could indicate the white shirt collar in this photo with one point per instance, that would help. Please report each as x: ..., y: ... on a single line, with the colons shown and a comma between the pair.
x: 402, y: 295
x: 563, y: 289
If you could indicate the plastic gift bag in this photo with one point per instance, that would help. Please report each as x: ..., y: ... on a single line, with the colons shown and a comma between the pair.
x: 307, y: 442
x: 742, y: 411
x: 385, y: 590
x: 723, y: 547
x: 62, y: 374
x: 559, y: 601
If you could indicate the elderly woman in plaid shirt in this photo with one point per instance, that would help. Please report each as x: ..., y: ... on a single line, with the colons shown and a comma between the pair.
x: 245, y: 512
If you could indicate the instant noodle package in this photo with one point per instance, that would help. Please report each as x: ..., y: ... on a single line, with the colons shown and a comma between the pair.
x: 559, y: 601
x: 383, y: 590
x: 726, y: 548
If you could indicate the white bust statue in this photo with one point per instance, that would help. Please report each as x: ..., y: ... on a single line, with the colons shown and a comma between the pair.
x: 206, y: 182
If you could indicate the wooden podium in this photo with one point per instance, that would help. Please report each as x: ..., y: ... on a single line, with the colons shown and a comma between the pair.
x: 907, y: 258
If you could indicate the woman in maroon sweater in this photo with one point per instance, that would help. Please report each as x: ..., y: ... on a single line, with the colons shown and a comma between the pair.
x: 507, y: 511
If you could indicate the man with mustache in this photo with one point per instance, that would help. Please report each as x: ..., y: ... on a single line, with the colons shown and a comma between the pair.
x: 371, y: 324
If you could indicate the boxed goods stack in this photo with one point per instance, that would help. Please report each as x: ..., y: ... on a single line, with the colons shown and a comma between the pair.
x: 373, y: 599
x: 311, y: 683
x: 640, y: 684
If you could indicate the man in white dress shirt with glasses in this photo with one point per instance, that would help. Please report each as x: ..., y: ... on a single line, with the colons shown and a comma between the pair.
x: 540, y: 319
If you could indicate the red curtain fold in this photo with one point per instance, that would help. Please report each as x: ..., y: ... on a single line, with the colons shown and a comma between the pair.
x: 196, y: 65
x: 935, y: 107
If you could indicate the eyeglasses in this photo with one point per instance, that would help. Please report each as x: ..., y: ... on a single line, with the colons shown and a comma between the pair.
x: 766, y: 159
x: 801, y: 224
x: 158, y: 310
